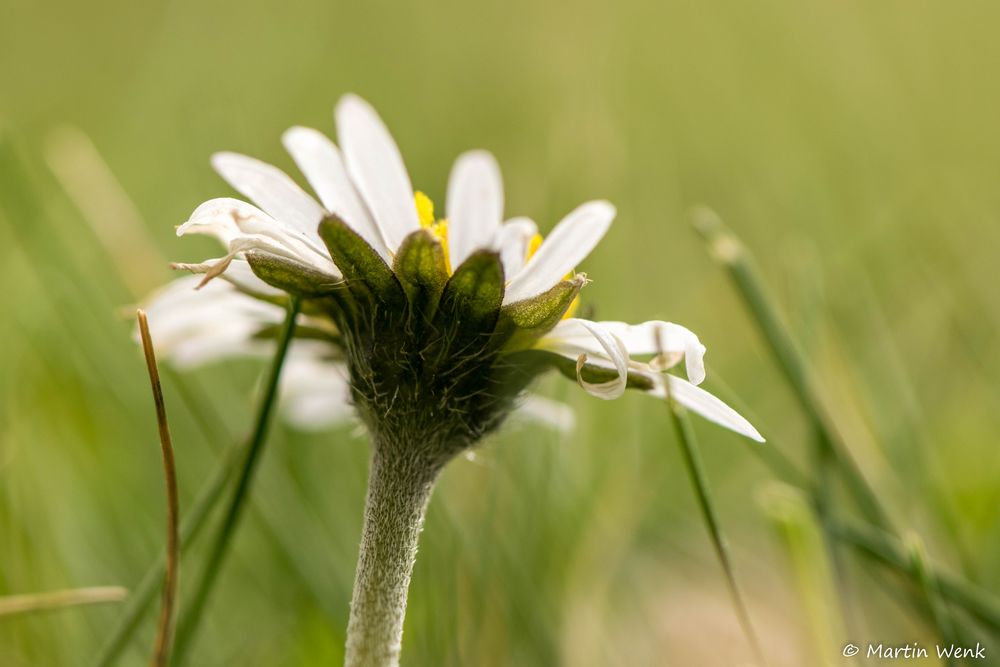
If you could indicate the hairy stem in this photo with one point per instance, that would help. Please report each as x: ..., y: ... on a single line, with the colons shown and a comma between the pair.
x: 399, y: 487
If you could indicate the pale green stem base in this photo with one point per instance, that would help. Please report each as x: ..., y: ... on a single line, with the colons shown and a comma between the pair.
x: 399, y: 487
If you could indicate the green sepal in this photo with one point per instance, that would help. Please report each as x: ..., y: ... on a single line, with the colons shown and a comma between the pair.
x: 524, y: 322
x: 291, y: 276
x: 470, y: 304
x: 364, y: 270
x: 422, y: 270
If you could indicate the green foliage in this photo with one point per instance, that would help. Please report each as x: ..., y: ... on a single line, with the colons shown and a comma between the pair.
x: 853, y: 146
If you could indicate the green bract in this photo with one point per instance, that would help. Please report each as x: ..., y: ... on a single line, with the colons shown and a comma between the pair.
x: 430, y: 354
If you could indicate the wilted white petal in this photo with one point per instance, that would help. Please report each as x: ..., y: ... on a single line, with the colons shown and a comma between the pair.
x: 315, y: 393
x: 241, y: 226
x: 565, y: 247
x: 546, y: 412
x: 321, y: 163
x: 474, y: 205
x: 377, y: 169
x: 513, y: 239
x: 273, y: 191
x: 705, y: 404
x: 668, y: 340
x: 613, y: 350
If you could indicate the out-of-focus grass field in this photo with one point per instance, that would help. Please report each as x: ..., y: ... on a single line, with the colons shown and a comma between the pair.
x: 853, y: 145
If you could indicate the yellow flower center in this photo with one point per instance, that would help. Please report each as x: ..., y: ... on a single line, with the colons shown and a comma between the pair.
x: 439, y: 228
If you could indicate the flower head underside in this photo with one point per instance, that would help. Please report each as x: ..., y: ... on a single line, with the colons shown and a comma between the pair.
x: 434, y: 325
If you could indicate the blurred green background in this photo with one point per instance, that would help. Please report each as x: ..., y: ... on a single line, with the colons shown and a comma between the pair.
x: 853, y: 145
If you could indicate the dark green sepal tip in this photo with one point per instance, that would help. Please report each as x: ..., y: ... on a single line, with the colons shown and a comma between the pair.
x: 291, y: 276
x: 523, y: 322
x: 473, y: 294
x: 366, y: 273
x: 468, y: 310
x: 422, y: 270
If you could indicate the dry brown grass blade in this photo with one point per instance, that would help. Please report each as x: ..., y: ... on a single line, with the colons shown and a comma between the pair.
x: 164, y: 634
x: 74, y: 597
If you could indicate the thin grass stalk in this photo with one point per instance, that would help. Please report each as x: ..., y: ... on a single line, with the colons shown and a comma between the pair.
x: 728, y: 250
x: 699, y: 480
x: 801, y: 534
x: 191, y: 524
x: 190, y: 621
x: 89, y: 183
x: 929, y: 588
x: 885, y: 549
x: 164, y: 633
x: 11, y: 605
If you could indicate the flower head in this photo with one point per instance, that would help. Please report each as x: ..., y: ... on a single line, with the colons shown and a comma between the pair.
x: 439, y: 324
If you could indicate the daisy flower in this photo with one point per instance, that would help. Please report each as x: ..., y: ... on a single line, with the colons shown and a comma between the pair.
x: 370, y: 227
x: 431, y: 328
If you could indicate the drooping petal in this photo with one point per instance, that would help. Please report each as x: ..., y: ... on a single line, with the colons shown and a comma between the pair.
x: 241, y: 226
x: 474, y: 205
x: 613, y: 350
x: 565, y: 247
x: 513, y: 240
x: 273, y: 190
x: 376, y: 167
x: 705, y: 404
x: 669, y: 341
x: 321, y: 163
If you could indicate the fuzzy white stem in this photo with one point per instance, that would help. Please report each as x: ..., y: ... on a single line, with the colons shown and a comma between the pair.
x: 399, y: 487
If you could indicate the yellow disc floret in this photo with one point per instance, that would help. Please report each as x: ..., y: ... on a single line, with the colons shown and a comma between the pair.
x: 439, y: 228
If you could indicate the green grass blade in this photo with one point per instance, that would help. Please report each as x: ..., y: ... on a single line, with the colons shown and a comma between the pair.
x: 887, y: 550
x: 190, y: 620
x: 191, y: 524
x: 812, y: 571
x: 699, y: 480
x: 728, y: 250
x: 928, y: 585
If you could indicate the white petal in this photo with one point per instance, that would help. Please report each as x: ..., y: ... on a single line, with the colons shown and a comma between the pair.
x: 377, y: 169
x: 241, y: 226
x: 513, y: 240
x: 315, y: 393
x: 474, y: 205
x: 671, y: 341
x: 321, y: 163
x: 707, y: 405
x: 546, y: 412
x: 613, y: 350
x: 273, y: 191
x: 192, y: 327
x: 565, y: 247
